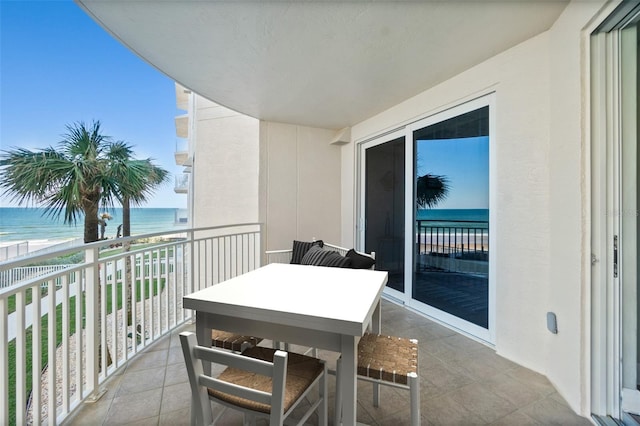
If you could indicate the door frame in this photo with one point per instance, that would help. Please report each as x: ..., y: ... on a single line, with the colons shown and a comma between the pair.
x: 396, y: 295
x: 607, y: 208
x: 487, y: 336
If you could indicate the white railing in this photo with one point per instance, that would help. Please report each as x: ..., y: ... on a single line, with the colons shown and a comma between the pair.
x: 14, y: 276
x: 14, y: 250
x: 182, y: 182
x: 89, y: 300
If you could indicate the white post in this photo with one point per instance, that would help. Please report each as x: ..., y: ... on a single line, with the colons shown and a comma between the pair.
x: 91, y: 280
x: 4, y: 362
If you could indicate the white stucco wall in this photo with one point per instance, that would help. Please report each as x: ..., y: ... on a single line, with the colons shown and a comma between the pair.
x: 300, y: 184
x: 226, y: 169
x: 538, y: 143
x: 568, y: 357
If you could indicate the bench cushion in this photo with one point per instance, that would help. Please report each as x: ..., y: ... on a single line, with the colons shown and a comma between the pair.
x: 360, y: 261
x: 314, y: 256
x: 300, y: 248
x: 336, y: 260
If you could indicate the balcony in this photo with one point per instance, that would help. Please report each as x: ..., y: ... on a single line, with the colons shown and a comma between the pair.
x: 182, y: 217
x: 142, y: 378
x: 182, y: 126
x: 182, y: 184
x: 182, y: 97
x: 182, y: 152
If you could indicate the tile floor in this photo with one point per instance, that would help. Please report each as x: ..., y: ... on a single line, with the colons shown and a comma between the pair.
x: 462, y: 383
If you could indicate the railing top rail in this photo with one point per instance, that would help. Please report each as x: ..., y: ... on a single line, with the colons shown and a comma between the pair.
x: 452, y: 221
x: 37, y: 257
x: 30, y: 282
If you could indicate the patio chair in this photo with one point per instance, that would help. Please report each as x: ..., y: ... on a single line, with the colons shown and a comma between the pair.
x: 390, y: 361
x: 261, y: 382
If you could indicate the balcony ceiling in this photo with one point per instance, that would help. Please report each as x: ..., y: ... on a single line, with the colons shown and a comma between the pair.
x: 320, y: 64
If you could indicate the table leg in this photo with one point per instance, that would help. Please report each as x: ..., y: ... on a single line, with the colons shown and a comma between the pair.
x: 203, y: 334
x: 376, y: 319
x: 348, y: 382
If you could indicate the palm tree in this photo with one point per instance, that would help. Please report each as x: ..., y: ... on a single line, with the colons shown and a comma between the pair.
x: 69, y: 180
x: 430, y: 190
x: 134, y: 180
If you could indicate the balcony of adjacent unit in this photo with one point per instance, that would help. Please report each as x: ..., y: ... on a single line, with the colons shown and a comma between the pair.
x: 182, y: 183
x: 182, y: 97
x: 182, y: 126
x: 182, y: 217
x: 182, y: 152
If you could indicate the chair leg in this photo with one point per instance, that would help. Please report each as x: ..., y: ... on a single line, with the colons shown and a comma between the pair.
x: 414, y: 390
x: 376, y: 395
x: 338, y: 407
x: 323, y: 413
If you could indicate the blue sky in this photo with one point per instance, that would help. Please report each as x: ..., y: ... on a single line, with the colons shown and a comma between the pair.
x: 465, y: 162
x: 57, y: 67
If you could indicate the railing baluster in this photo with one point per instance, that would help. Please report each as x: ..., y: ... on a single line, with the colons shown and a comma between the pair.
x: 114, y: 312
x: 21, y: 357
x: 4, y: 364
x: 51, y: 350
x: 65, y: 343
x: 157, y: 295
x: 102, y: 288
x: 165, y: 276
x: 123, y: 294
x: 174, y: 276
x: 80, y: 303
x: 36, y: 354
x: 152, y: 311
x: 134, y: 305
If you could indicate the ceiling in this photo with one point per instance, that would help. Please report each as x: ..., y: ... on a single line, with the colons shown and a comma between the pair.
x: 318, y: 63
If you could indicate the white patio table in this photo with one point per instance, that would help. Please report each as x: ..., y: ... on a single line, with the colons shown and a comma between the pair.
x: 326, y: 308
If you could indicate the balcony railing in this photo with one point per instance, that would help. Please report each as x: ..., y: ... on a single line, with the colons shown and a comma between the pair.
x: 182, y: 183
x: 455, y: 246
x: 457, y: 237
x: 14, y: 250
x: 65, y: 332
x: 182, y: 216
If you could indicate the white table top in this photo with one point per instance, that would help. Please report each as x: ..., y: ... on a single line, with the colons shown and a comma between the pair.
x: 338, y: 300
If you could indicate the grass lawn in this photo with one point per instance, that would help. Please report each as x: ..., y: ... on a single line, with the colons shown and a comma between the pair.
x: 148, y: 288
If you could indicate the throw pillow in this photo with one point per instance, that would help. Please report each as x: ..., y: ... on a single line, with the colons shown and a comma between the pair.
x: 360, y: 261
x: 300, y: 248
x: 334, y: 259
x: 314, y: 256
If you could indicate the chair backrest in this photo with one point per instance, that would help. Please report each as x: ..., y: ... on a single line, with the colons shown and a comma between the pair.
x: 195, y: 354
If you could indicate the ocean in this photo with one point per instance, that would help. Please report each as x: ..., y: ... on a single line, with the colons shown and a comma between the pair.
x: 449, y: 217
x: 24, y: 223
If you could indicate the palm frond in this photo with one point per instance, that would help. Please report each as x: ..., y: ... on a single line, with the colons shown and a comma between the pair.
x: 431, y: 190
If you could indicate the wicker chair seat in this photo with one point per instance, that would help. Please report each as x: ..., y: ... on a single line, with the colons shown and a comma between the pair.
x: 231, y: 341
x: 387, y: 358
x: 302, y: 371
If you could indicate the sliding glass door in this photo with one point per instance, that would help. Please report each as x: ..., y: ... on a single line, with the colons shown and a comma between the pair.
x: 451, y: 258
x: 384, y: 206
x: 425, y: 207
